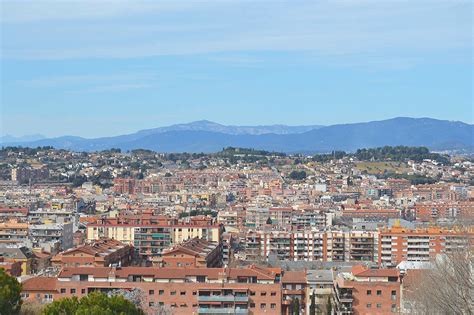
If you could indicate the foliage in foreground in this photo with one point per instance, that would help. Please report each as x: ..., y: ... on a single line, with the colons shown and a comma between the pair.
x: 95, y: 303
x: 10, y: 290
x: 446, y: 288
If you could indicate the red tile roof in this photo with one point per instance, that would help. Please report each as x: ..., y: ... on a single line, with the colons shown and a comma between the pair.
x: 362, y: 271
x: 40, y: 284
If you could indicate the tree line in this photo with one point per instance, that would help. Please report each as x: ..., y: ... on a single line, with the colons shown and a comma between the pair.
x: 397, y: 153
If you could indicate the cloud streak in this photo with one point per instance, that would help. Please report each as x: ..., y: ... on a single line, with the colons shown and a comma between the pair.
x: 127, y: 30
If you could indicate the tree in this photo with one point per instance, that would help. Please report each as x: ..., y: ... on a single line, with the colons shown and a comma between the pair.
x: 10, y: 290
x: 312, y: 307
x: 296, y: 306
x: 31, y: 308
x: 446, y: 288
x: 95, y: 303
x: 329, y: 306
x: 298, y: 175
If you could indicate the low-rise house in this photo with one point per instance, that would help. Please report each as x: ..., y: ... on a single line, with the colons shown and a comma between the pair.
x: 100, y: 253
x: 11, y: 268
x: 195, y: 253
x: 22, y: 255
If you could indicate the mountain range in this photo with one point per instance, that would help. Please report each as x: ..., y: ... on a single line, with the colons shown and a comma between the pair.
x: 27, y: 138
x: 207, y: 136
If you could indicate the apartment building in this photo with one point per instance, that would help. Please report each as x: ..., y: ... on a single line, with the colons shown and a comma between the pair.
x: 399, y: 244
x: 61, y: 233
x: 150, y: 238
x: 337, y: 246
x: 251, y: 290
x: 256, y: 217
x: 311, y: 219
x: 432, y: 211
x: 228, y: 219
x: 13, y: 232
x: 367, y: 291
x: 9, y: 213
x: 371, y: 214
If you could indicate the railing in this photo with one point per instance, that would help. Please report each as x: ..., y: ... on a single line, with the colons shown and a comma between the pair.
x: 222, y: 298
x: 228, y: 310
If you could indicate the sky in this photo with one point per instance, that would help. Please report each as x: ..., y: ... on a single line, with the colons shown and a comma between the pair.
x: 102, y: 68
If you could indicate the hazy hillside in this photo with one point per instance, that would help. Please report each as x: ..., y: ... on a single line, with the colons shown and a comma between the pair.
x: 205, y: 136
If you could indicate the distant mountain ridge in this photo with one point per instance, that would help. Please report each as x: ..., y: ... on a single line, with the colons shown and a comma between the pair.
x: 206, y: 125
x: 207, y: 136
x: 10, y: 138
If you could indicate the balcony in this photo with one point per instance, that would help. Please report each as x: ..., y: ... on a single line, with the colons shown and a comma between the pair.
x: 222, y: 298
x: 228, y: 310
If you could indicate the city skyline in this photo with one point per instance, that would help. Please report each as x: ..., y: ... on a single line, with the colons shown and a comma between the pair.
x: 104, y: 69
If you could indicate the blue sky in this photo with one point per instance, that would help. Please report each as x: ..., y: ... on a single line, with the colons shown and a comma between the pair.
x: 111, y: 67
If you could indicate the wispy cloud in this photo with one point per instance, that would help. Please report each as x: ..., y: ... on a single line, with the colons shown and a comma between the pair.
x: 110, y: 29
x: 80, y: 83
x: 114, y: 88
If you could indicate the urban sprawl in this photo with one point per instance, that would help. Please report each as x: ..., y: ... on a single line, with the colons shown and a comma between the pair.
x: 239, y: 231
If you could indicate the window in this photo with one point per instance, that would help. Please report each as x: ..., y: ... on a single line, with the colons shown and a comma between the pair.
x: 369, y: 292
x: 252, y: 305
x: 201, y: 278
x: 263, y: 293
x: 379, y: 292
x: 182, y: 293
x: 63, y: 290
x: 194, y: 292
x: 263, y: 306
x: 273, y: 305
x: 394, y: 295
x: 394, y: 308
x: 273, y: 293
x: 83, y: 291
x: 73, y: 291
x: 369, y: 305
x: 151, y: 292
x: 161, y: 292
x: 151, y: 304
x: 173, y: 293
x: 379, y: 305
x: 252, y: 293
x: 161, y: 303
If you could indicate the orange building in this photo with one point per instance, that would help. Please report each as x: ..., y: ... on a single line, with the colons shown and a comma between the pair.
x: 251, y: 290
x: 432, y: 211
x: 367, y: 291
x: 399, y: 244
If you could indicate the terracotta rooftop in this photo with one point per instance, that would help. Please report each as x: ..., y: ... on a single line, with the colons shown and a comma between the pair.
x: 39, y: 284
x: 362, y: 271
x: 294, y: 277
